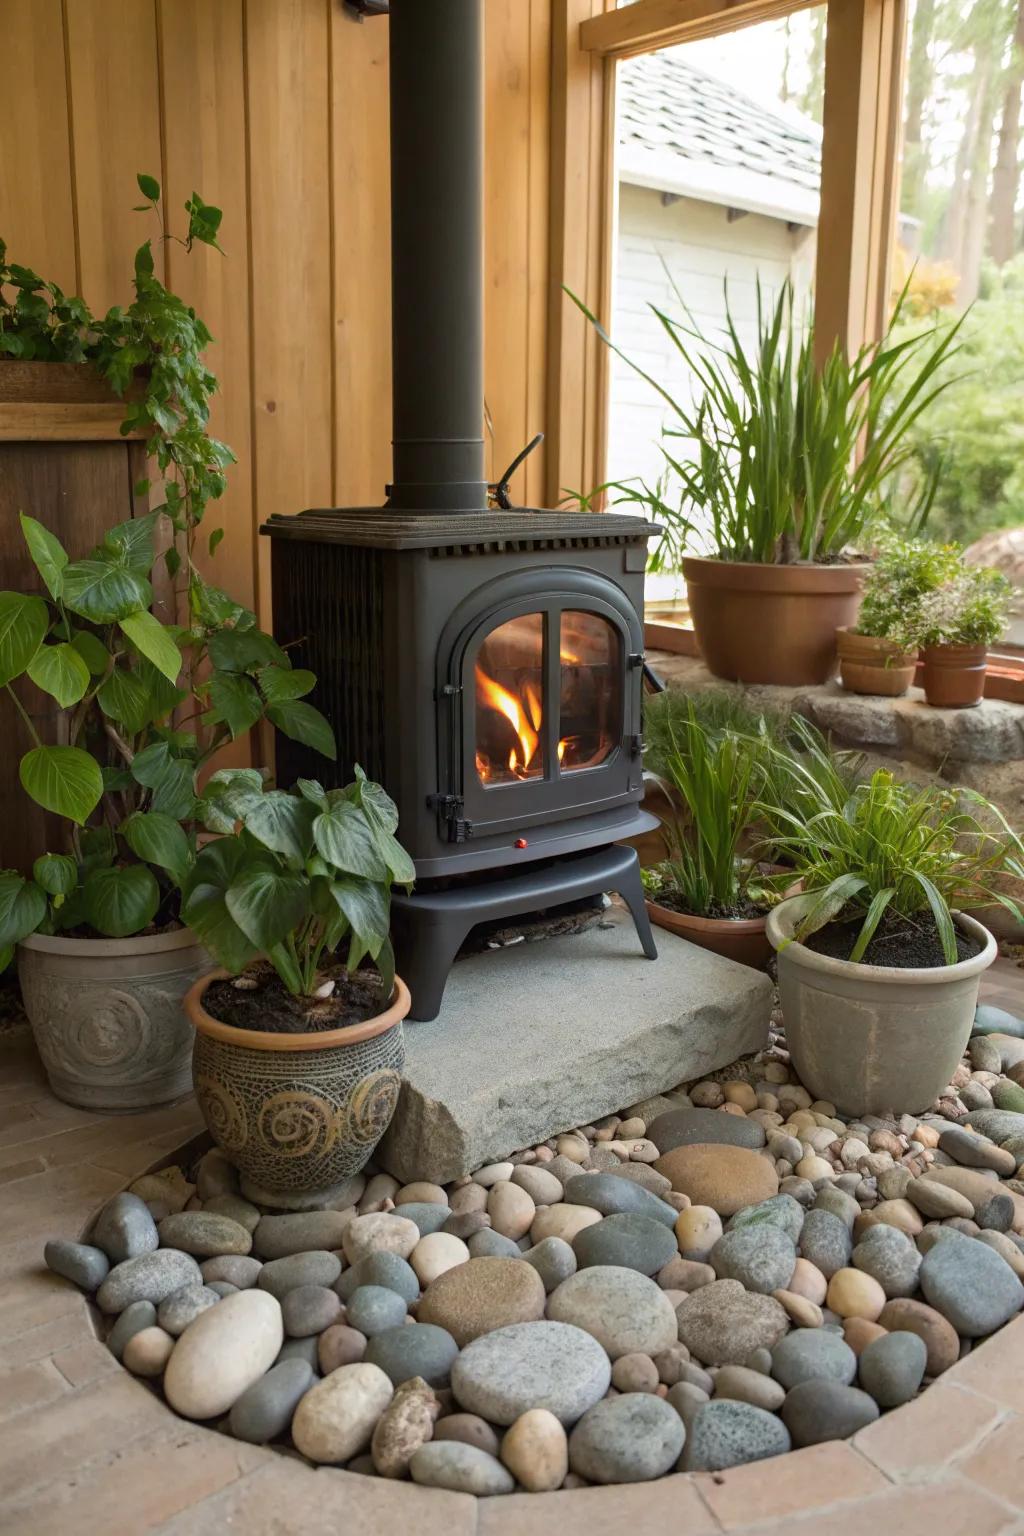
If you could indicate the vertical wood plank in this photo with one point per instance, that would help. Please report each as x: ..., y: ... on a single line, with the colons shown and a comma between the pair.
x: 360, y: 191
x: 115, y: 126
x: 864, y: 49
x: 290, y: 255
x: 36, y: 212
x: 534, y: 481
x: 203, y: 91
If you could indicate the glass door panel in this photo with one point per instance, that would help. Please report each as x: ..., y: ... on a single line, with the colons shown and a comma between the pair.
x: 509, y: 686
x: 590, y: 692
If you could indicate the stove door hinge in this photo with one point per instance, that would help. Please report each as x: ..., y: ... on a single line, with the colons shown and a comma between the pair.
x: 636, y: 745
x: 635, y: 659
x: 450, y: 808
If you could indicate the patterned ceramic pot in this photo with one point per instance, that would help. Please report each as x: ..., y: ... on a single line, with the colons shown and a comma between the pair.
x: 297, y: 1113
x: 106, y: 1015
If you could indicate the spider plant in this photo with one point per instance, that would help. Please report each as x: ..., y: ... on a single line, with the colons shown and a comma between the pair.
x: 783, y: 457
x: 666, y: 717
x: 892, y: 850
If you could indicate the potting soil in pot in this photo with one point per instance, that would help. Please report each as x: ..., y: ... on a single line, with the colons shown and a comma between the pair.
x: 258, y: 999
x: 895, y: 943
x: 712, y: 1277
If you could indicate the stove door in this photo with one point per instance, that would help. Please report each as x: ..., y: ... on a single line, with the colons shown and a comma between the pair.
x: 542, y: 694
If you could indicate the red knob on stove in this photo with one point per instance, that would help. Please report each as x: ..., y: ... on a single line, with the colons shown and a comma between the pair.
x: 521, y: 842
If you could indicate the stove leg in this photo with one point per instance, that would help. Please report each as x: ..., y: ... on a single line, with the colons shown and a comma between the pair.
x: 630, y: 888
x: 425, y: 953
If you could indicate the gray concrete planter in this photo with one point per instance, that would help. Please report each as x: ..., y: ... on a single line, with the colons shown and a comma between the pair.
x: 871, y: 1038
x: 107, y: 1017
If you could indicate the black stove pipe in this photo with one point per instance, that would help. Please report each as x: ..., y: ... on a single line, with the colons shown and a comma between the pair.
x: 436, y: 74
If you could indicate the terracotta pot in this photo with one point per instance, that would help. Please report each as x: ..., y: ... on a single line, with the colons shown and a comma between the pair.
x: 873, y: 1039
x: 742, y: 939
x: 297, y: 1113
x: 106, y: 1015
x: 869, y: 664
x: 954, y: 675
x: 771, y: 623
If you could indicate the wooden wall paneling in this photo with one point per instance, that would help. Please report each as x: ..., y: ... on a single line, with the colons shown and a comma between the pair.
x: 580, y: 248
x: 36, y: 209
x: 859, y: 175
x: 115, y: 127
x: 507, y: 111
x: 361, y: 205
x: 203, y: 95
x: 533, y: 476
x: 287, y: 55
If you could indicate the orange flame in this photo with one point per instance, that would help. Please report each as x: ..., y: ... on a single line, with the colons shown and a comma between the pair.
x: 526, y: 728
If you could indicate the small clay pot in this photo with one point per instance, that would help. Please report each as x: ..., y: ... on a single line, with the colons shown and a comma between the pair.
x: 954, y: 675
x: 742, y: 939
x: 870, y: 664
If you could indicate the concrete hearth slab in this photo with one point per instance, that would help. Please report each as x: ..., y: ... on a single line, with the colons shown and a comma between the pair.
x: 537, y: 1038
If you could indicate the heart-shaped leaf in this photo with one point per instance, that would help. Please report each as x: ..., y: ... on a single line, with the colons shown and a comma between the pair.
x: 60, y: 671
x: 120, y: 901
x: 103, y: 592
x: 302, y: 722
x: 159, y: 839
x: 48, y: 554
x: 346, y: 840
x: 267, y: 904
x: 400, y: 865
x: 92, y: 651
x: 152, y: 640
x: 169, y: 777
x: 280, y: 684
x: 125, y: 698
x: 62, y: 779
x: 22, y: 907
x: 24, y: 621
x: 57, y: 873
x: 235, y: 701
x: 236, y: 650
x: 131, y: 543
x: 365, y: 903
x: 281, y: 822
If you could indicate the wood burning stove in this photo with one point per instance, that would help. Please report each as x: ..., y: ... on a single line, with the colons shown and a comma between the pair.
x: 484, y: 665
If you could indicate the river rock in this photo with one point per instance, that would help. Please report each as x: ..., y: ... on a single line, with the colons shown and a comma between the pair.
x: 536, y: 1451
x: 264, y: 1410
x: 338, y: 1345
x: 971, y: 1286
x: 379, y: 1232
x: 890, y: 1257
x: 139, y: 1315
x: 373, y: 1308
x: 838, y: 1203
x: 936, y: 1201
x: 203, y: 1235
x: 215, y: 1175
x: 385, y: 1269
x: 336, y: 1418
x: 460, y: 1468
x: 183, y: 1306
x: 725, y: 1177
x: 892, y: 1368
x: 414, y: 1349
x: 996, y: 1215
x: 435, y: 1254
x: 244, y: 1212
x: 562, y: 1220
x: 309, y: 1309
x: 239, y: 1270
x: 431, y: 1218
x: 540, y: 1183
x: 939, y: 1336
x: 613, y: 1197
x: 825, y: 1242
x: 624, y: 1310
x: 279, y: 1276
x: 761, y: 1256
x: 853, y: 1293
x: 749, y: 1386
x: 626, y: 1241
x: 812, y: 1354
x: 406, y: 1424
x: 125, y: 1228
x: 722, y: 1324
x: 782, y: 1212
x: 998, y: 1124
x: 626, y: 1439
x: 277, y: 1237
x: 486, y: 1244
x: 222, y: 1353
x: 687, y: 1127
x: 483, y: 1294
x: 80, y: 1263
x: 149, y: 1277
x: 976, y: 1151
x: 989, y: 1020
x: 553, y: 1259
x: 644, y: 1175
x: 147, y: 1352
x: 511, y: 1210
x: 726, y: 1433
x: 551, y: 1365
x: 468, y: 1429
x: 821, y: 1410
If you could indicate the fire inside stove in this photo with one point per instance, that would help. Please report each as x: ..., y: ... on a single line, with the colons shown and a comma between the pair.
x: 512, y: 711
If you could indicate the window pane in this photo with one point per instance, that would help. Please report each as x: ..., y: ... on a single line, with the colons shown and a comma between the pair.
x: 509, y: 694
x: 590, y: 703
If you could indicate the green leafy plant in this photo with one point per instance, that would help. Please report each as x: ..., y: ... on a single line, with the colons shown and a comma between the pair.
x: 971, y: 608
x: 146, y: 705
x: 904, y: 572
x: 893, y: 850
x: 295, y: 874
x: 783, y: 458
x: 667, y: 716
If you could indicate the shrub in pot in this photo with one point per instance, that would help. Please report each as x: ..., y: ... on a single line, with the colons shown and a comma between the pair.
x: 782, y: 464
x: 298, y: 1061
x: 878, y: 655
x: 879, y: 966
x: 955, y: 625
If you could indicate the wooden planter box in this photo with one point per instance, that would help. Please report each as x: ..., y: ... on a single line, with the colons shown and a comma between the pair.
x: 62, y: 460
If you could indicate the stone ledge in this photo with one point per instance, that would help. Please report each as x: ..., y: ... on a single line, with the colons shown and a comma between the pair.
x: 529, y: 1045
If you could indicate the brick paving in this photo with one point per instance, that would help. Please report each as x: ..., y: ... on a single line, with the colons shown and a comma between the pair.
x: 86, y: 1448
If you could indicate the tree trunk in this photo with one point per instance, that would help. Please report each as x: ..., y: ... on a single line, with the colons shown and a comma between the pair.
x: 954, y: 222
x: 920, y: 73
x: 813, y: 95
x: 1006, y: 178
